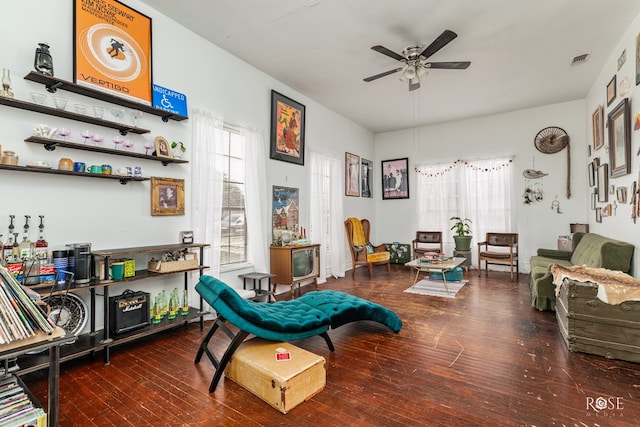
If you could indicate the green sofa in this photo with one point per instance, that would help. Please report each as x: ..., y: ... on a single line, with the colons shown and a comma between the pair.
x: 590, y: 249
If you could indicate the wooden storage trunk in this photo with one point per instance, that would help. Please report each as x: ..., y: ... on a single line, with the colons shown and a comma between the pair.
x: 282, y: 384
x: 590, y: 325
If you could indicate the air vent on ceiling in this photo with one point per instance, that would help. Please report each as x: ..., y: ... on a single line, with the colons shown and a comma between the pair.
x: 580, y: 59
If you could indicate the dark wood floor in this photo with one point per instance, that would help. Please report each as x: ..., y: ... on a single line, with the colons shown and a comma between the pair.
x: 485, y: 358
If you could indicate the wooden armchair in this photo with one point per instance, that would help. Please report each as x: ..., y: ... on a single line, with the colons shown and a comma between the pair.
x: 427, y: 241
x: 498, y: 248
x: 363, y: 253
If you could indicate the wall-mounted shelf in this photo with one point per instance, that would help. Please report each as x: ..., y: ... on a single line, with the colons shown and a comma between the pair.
x: 51, y: 144
x: 123, y: 179
x: 30, y: 106
x: 54, y: 83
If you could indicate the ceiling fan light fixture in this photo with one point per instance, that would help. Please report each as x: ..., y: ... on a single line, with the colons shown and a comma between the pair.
x: 410, y: 72
x: 421, y: 71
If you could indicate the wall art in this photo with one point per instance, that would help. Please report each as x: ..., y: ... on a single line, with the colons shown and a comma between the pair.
x: 112, y: 49
x: 366, y: 177
x: 352, y: 175
x: 287, y: 129
x: 619, y: 127
x: 395, y: 179
x: 603, y: 183
x: 611, y: 91
x: 597, y: 127
x: 167, y: 196
x: 284, y: 214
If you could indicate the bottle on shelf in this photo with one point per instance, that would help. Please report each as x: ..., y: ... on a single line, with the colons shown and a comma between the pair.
x: 42, y: 246
x: 26, y: 247
x: 185, y: 303
x: 7, y: 248
x: 15, y: 250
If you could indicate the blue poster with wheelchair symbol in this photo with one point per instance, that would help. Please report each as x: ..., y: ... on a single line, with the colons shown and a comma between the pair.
x: 170, y: 100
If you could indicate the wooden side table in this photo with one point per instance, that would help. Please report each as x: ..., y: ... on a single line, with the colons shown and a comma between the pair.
x: 257, y: 284
x: 467, y: 256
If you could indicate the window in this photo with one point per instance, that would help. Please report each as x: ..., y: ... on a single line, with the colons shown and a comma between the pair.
x: 233, y: 239
x: 479, y: 190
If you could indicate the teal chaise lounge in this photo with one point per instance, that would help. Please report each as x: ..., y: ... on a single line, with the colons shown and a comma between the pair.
x: 310, y: 315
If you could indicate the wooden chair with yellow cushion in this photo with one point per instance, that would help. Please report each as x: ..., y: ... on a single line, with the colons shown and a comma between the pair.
x: 499, y: 248
x: 363, y: 253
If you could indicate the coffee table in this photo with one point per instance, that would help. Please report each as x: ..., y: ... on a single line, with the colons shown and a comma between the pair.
x: 437, y: 267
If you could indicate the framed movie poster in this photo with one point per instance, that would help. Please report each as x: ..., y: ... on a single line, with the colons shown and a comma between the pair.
x: 395, y: 179
x: 284, y: 214
x: 287, y: 129
x: 351, y: 175
x: 366, y: 175
x: 112, y: 49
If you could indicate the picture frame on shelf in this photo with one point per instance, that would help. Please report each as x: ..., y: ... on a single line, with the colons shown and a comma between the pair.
x: 619, y: 128
x: 366, y: 177
x: 167, y: 196
x: 603, y: 183
x: 395, y: 179
x: 352, y: 175
x: 163, y: 148
x: 597, y: 128
x: 114, y: 51
x: 287, y: 129
x: 611, y: 90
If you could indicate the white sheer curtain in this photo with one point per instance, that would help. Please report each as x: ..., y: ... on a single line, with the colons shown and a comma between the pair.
x: 207, y: 166
x: 326, y: 217
x: 479, y: 190
x: 257, y: 205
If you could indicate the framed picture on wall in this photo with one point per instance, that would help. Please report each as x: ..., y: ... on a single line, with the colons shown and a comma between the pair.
x: 597, y: 127
x: 611, y: 90
x: 603, y: 183
x: 366, y: 176
x: 284, y: 214
x: 619, y: 127
x: 287, y: 129
x: 592, y: 174
x: 395, y: 179
x: 167, y: 196
x: 112, y: 55
x: 352, y: 175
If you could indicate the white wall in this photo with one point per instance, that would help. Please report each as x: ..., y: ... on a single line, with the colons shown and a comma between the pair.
x: 103, y: 212
x: 510, y: 134
x: 621, y: 225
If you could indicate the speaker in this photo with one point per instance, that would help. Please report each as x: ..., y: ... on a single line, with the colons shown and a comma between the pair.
x: 129, y: 311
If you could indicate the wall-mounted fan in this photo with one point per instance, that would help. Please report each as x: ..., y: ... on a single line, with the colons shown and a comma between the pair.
x: 415, y: 58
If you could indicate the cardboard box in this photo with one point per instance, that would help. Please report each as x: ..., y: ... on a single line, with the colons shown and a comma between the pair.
x: 279, y: 373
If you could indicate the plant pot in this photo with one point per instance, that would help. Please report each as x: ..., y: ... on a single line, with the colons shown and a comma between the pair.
x: 463, y: 243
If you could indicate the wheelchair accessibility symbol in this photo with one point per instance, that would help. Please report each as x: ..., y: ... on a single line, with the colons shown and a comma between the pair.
x: 169, y: 100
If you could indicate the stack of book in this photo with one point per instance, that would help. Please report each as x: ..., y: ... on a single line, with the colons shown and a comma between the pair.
x: 20, y: 317
x: 16, y: 407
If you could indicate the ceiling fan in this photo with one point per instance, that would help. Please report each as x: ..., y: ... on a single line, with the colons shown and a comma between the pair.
x: 415, y: 58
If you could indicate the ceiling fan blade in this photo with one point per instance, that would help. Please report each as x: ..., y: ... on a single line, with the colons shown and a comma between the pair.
x: 383, y: 50
x: 377, y: 76
x: 414, y: 84
x: 462, y: 65
x: 442, y: 40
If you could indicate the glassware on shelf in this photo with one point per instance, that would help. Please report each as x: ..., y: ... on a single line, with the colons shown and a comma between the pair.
x: 117, y: 140
x: 97, y: 139
x: 148, y: 145
x: 38, y: 98
x: 136, y: 115
x: 6, y: 83
x: 80, y: 108
x: 86, y: 134
x: 117, y: 113
x: 98, y: 111
x: 63, y: 132
x: 60, y: 102
x: 127, y: 144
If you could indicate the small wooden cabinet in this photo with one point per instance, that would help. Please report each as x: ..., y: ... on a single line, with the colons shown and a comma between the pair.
x: 293, y: 265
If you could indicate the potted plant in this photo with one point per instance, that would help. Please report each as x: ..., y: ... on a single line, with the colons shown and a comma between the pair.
x: 178, y: 149
x: 462, y: 235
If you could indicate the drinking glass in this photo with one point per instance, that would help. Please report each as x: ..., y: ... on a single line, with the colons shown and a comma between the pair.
x: 136, y: 115
x: 117, y: 113
x: 64, y: 133
x: 117, y: 140
x: 86, y: 134
x: 97, y: 139
x: 148, y: 145
x: 127, y: 144
x: 98, y: 111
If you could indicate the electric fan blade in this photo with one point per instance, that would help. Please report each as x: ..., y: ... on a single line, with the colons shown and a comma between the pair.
x: 377, y: 76
x: 413, y: 86
x: 462, y: 65
x: 442, y: 40
x: 383, y: 50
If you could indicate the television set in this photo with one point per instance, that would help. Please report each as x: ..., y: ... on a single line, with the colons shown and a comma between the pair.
x: 305, y: 263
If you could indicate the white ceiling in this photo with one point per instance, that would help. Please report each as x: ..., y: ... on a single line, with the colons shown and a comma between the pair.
x: 520, y: 50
